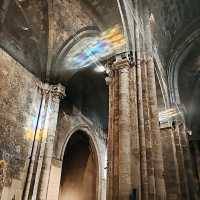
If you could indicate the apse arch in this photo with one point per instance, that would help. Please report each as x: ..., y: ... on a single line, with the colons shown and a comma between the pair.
x: 88, y: 133
x: 183, y: 73
x: 177, y: 56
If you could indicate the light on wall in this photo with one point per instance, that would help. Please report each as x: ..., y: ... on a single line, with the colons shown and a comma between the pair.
x: 99, y: 68
x: 168, y: 114
x: 152, y: 18
x: 100, y: 47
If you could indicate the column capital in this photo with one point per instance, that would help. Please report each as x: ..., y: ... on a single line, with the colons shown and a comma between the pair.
x: 120, y: 61
x: 56, y: 90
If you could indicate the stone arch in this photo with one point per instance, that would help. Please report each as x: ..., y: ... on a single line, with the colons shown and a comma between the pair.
x: 88, y: 159
x: 89, y: 132
x: 83, y: 128
x: 185, y: 98
x: 178, y: 52
x: 64, y: 49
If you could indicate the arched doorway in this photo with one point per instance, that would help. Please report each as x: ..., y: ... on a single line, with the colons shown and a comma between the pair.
x: 79, y: 178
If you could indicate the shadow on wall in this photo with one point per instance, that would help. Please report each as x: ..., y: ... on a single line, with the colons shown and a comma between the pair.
x: 79, y: 170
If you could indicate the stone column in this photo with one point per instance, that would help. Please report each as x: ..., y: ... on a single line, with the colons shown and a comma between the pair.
x: 41, y: 157
x: 135, y: 146
x: 56, y: 93
x: 170, y: 163
x: 116, y: 134
x: 27, y: 193
x: 124, y: 131
x: 54, y: 180
x: 110, y: 83
x: 197, y: 159
x: 188, y: 162
x: 181, y: 166
x: 119, y: 151
x: 142, y: 138
x: 147, y: 128
x: 155, y: 130
x: 42, y: 135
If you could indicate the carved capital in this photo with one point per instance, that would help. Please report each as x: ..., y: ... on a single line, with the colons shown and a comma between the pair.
x: 57, y: 91
x: 120, y: 61
x: 121, y: 64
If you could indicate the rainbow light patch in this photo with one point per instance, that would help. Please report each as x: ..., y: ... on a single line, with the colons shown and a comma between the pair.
x: 98, y: 48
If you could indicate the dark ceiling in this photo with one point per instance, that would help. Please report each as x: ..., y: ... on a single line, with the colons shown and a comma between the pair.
x: 88, y: 91
x: 23, y: 33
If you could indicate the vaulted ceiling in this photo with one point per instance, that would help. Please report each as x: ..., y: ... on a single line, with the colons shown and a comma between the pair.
x: 26, y: 27
x: 35, y: 31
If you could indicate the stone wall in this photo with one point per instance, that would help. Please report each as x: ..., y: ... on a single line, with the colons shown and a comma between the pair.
x: 19, y: 104
x: 68, y: 18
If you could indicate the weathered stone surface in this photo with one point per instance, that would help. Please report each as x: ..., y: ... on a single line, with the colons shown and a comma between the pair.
x: 76, y: 17
x: 173, y: 189
x: 18, y: 94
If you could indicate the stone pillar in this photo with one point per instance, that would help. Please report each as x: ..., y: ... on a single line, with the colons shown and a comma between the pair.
x: 54, y: 180
x: 197, y: 159
x: 188, y: 162
x: 42, y: 135
x: 56, y: 93
x: 170, y: 164
x: 155, y: 130
x: 147, y: 128
x: 27, y: 193
x: 181, y: 166
x: 140, y: 105
x: 42, y: 152
x: 116, y: 133
x: 124, y: 131
x: 110, y: 162
x: 136, y: 178
x: 119, y: 143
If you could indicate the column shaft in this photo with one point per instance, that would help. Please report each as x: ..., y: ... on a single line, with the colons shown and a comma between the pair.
x: 155, y: 130
x: 48, y: 152
x: 39, y: 169
x: 181, y: 166
x: 41, y: 149
x: 170, y: 164
x: 119, y: 143
x: 143, y: 159
x: 124, y: 133
x: 110, y: 138
x: 135, y: 144
x: 197, y: 159
x: 116, y: 135
x: 147, y: 128
x: 188, y: 163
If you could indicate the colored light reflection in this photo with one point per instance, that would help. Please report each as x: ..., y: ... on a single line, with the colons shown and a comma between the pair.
x: 99, y: 47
